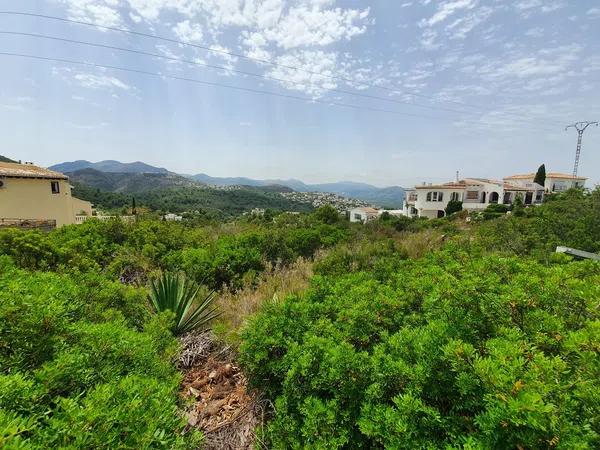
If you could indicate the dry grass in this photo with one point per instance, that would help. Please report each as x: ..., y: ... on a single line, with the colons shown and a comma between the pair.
x: 420, y: 243
x: 274, y: 284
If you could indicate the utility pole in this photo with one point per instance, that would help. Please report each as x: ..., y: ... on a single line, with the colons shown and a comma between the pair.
x: 580, y: 127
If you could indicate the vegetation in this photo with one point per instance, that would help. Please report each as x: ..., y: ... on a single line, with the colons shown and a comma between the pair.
x: 5, y: 159
x: 456, y: 350
x: 84, y: 365
x: 400, y: 333
x: 469, y: 346
x: 173, y: 292
x: 453, y: 206
x: 202, y: 202
x: 540, y: 176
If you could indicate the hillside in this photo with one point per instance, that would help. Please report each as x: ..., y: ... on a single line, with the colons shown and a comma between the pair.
x: 392, y: 196
x: 127, y: 182
x: 108, y: 166
x: 5, y: 159
x: 174, y: 193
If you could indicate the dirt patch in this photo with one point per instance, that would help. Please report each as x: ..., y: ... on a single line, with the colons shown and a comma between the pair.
x: 215, y: 389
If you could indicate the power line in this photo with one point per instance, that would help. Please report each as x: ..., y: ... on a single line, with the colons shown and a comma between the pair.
x: 259, y: 60
x: 227, y: 69
x: 214, y: 84
x: 227, y: 86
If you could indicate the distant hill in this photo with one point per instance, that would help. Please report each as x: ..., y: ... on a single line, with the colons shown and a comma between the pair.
x: 108, y: 166
x: 127, y: 182
x: 5, y: 159
x: 392, y: 196
x: 174, y: 193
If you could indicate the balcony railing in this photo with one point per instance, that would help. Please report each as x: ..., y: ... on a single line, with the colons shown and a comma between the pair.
x: 28, y: 224
x: 80, y: 218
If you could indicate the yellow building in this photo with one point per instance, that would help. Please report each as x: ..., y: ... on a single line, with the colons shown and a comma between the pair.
x: 31, y: 193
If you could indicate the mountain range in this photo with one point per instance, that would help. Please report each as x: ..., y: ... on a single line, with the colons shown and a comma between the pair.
x: 389, y: 196
x: 108, y: 165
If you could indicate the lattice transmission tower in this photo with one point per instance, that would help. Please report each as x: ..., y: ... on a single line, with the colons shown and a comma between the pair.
x: 580, y: 127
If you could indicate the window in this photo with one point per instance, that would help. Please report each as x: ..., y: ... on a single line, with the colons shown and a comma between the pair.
x: 472, y: 195
x: 538, y: 196
x: 455, y: 196
x: 55, y: 186
x: 435, y: 196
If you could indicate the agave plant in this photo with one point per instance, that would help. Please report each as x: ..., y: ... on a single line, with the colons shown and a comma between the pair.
x: 174, y: 292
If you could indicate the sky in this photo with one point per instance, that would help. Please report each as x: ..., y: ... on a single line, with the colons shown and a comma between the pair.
x: 389, y: 92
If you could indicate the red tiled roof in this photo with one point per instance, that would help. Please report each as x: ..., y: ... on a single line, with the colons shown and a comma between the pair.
x: 28, y: 171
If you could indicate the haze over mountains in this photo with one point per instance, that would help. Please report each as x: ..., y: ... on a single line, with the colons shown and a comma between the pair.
x: 389, y: 196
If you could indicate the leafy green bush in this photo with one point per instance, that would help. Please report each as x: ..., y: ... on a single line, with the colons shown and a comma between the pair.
x: 453, y: 206
x: 84, y: 365
x: 571, y: 219
x: 456, y: 350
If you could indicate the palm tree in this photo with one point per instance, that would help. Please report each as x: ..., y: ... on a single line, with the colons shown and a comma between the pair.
x: 174, y: 292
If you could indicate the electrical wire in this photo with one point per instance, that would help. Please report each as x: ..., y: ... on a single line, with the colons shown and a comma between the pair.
x: 259, y: 60
x: 214, y: 84
x: 228, y: 86
x: 228, y: 69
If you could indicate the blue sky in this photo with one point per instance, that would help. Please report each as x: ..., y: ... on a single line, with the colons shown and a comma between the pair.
x: 483, y: 87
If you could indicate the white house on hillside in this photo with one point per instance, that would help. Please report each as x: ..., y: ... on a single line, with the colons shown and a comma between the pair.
x: 430, y: 200
x: 363, y: 214
x: 555, y: 182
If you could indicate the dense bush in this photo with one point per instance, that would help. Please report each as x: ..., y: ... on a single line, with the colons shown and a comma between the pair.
x: 84, y: 365
x: 213, y: 255
x: 571, y: 219
x: 455, y: 350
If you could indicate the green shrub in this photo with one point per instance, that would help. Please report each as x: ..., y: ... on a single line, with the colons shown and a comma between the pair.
x: 83, y: 365
x: 135, y: 412
x: 453, y: 206
x: 455, y: 350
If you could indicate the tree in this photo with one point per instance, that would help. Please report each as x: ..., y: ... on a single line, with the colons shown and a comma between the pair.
x: 518, y: 209
x: 133, y: 209
x: 540, y: 176
x: 453, y: 206
x: 327, y: 214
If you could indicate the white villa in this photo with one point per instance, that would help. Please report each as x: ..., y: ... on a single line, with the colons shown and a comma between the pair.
x: 363, y: 214
x: 430, y: 200
x: 555, y: 182
x: 366, y: 213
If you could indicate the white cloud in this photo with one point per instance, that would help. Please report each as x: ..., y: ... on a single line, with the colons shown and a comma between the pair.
x: 262, y: 29
x: 100, y: 12
x: 593, y: 12
x: 315, y: 61
x: 446, y: 9
x: 188, y: 32
x: 94, y: 81
x: 91, y: 80
x: 313, y: 27
x: 536, y: 32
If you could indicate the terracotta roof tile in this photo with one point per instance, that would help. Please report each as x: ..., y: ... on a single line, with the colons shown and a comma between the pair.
x: 28, y: 171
